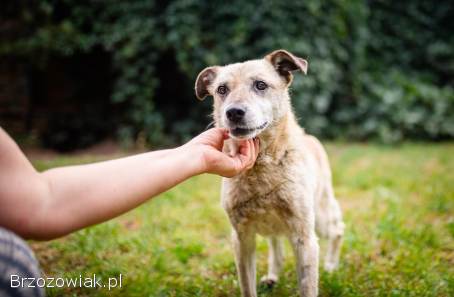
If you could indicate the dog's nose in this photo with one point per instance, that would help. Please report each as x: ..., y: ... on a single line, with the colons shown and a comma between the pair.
x: 235, y: 114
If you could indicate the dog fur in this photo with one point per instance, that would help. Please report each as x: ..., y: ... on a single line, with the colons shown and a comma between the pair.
x: 288, y: 192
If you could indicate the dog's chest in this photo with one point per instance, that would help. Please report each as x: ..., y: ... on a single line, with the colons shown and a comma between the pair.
x: 264, y: 197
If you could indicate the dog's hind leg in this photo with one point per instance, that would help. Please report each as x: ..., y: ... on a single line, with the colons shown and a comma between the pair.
x: 275, y: 261
x: 330, y: 226
x: 335, y: 233
x: 244, y: 248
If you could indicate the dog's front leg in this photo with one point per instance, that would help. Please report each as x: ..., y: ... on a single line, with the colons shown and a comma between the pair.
x: 244, y: 247
x: 306, y: 248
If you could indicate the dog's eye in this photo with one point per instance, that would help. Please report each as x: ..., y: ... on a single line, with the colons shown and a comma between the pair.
x: 260, y: 85
x: 222, y: 90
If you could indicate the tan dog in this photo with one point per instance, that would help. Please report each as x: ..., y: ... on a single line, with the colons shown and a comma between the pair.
x: 288, y: 192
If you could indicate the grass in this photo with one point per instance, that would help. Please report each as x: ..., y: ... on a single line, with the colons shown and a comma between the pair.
x: 398, y: 205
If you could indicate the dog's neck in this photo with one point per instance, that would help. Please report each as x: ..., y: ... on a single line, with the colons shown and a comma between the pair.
x: 273, y: 138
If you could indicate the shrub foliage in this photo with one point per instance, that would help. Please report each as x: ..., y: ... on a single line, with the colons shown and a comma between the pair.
x: 377, y: 69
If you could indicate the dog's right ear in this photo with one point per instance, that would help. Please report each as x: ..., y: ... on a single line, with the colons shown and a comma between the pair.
x: 285, y: 63
x: 204, y: 80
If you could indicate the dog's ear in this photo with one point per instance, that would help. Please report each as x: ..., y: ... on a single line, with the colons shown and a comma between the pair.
x: 204, y: 80
x: 285, y: 63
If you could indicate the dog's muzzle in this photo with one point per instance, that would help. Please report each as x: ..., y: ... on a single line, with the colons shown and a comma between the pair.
x: 243, y: 132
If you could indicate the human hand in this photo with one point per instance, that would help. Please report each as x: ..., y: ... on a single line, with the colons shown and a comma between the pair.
x: 208, y: 146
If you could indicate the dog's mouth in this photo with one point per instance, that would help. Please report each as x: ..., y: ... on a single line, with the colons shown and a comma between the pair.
x: 247, y: 132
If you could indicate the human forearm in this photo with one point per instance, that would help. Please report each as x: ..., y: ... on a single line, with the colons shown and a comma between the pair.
x: 88, y: 194
x: 54, y: 203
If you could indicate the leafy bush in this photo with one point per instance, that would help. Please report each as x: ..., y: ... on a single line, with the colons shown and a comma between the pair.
x: 376, y: 69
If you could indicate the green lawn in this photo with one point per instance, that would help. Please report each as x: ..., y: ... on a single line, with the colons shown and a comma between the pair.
x: 398, y: 205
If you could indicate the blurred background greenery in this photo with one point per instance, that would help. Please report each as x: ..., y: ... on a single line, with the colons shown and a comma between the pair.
x: 75, y: 72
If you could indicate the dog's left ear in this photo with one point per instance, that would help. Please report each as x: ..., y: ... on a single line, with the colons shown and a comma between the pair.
x: 204, y: 80
x: 285, y: 63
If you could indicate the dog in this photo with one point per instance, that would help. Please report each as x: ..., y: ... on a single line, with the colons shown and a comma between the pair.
x: 288, y: 192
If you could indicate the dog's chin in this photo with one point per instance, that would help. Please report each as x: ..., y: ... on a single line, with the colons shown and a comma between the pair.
x: 242, y: 133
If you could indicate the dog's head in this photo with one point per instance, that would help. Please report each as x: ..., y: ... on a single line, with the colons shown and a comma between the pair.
x: 250, y: 96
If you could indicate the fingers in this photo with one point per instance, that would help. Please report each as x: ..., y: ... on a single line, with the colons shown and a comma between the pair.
x: 226, y: 133
x: 251, y: 156
x: 248, y: 153
x: 257, y: 147
x: 243, y: 149
x: 213, y: 137
x: 254, y: 151
x: 222, y: 163
x: 216, y: 132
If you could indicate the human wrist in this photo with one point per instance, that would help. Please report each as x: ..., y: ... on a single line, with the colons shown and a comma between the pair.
x: 192, y: 159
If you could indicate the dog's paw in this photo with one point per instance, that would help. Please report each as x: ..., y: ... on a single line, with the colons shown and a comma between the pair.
x: 268, y: 281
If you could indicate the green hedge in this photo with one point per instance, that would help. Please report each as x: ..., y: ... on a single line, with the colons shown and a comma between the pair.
x: 377, y: 69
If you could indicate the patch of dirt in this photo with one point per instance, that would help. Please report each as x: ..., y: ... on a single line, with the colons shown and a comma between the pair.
x: 46, y: 254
